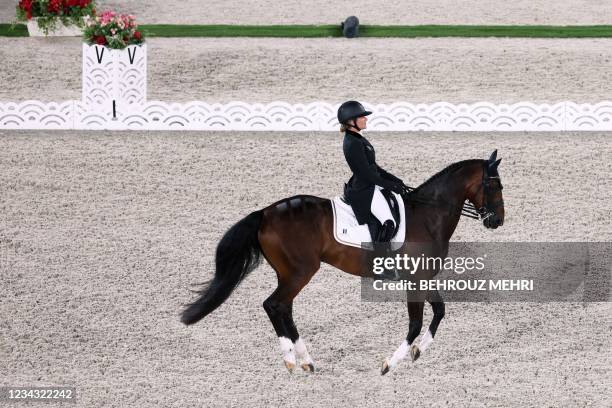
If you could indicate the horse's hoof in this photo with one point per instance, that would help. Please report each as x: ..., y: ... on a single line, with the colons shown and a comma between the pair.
x: 415, y: 352
x: 308, y: 367
x: 290, y: 366
x: 385, y: 368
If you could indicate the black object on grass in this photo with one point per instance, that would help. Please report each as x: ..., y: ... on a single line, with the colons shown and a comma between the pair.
x: 350, y: 27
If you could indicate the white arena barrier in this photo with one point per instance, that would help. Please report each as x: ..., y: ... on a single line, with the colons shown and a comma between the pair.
x: 115, y: 98
x: 315, y: 116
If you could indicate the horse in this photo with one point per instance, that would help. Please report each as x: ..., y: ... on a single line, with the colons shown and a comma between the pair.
x: 295, y: 235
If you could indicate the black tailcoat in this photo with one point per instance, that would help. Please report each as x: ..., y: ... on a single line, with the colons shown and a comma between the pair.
x: 361, y: 158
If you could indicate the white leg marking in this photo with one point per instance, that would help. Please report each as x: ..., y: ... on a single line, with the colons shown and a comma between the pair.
x: 302, y: 353
x: 426, y: 341
x: 287, y: 350
x: 399, y: 354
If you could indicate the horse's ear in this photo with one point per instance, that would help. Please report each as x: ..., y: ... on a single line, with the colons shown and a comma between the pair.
x: 493, y: 166
x: 493, y: 156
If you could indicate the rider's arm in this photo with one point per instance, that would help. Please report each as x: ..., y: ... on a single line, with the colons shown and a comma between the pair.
x: 386, y: 175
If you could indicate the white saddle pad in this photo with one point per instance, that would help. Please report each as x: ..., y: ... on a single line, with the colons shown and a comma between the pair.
x: 348, y: 232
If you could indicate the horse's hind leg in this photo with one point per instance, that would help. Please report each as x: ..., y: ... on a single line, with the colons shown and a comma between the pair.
x: 279, y: 307
x: 280, y: 311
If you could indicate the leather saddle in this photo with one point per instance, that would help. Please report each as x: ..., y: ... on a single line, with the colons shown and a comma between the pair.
x: 391, y: 202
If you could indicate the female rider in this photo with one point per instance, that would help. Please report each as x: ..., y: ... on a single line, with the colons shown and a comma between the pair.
x: 363, y: 190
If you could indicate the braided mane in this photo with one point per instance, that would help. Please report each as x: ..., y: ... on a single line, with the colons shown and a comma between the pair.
x: 449, y: 169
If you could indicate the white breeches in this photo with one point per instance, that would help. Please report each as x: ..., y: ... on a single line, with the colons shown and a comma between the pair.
x: 380, y: 207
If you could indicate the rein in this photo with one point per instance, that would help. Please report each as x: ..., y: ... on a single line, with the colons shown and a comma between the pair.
x: 467, y: 210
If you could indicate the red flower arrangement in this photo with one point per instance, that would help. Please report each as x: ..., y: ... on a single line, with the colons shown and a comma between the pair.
x: 49, y: 12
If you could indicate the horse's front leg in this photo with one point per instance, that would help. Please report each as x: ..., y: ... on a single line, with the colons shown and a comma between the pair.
x: 415, y: 314
x: 437, y: 305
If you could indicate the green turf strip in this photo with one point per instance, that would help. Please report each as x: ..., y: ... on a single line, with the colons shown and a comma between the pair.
x: 20, y: 30
x: 308, y: 31
x: 487, y: 31
x: 312, y: 31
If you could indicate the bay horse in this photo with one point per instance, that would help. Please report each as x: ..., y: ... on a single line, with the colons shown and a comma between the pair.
x: 296, y: 234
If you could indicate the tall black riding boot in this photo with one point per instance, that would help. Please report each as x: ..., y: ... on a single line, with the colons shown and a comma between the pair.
x: 381, y: 235
x: 375, y: 229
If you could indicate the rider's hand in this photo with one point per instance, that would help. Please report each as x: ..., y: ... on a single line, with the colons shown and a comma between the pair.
x: 397, y: 188
x: 405, y: 189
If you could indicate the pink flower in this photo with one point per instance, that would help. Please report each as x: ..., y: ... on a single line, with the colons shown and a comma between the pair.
x: 106, y: 17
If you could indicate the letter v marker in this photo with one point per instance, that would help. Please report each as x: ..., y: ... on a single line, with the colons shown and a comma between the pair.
x: 132, y: 56
x: 99, y: 55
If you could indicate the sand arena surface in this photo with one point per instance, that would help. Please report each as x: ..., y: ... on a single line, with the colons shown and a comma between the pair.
x: 102, y: 235
x: 561, y: 12
x: 306, y: 70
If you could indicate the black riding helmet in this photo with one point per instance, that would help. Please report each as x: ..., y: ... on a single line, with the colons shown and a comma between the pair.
x: 351, y: 110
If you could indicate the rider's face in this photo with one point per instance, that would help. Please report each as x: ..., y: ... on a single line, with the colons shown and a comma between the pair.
x: 361, y: 122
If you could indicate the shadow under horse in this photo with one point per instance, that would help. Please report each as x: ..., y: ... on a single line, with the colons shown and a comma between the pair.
x: 296, y: 234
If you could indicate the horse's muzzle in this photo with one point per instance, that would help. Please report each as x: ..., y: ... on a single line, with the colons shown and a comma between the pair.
x: 493, y: 222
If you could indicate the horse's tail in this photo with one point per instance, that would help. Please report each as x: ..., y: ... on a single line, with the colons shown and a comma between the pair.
x: 238, y: 253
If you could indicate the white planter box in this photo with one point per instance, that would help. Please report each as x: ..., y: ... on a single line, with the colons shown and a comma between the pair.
x: 114, y: 78
x: 60, y: 31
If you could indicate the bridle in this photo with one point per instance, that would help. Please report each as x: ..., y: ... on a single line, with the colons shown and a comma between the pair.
x: 489, y: 206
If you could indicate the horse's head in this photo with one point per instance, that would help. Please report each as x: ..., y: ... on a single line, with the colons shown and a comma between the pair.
x: 488, y: 197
